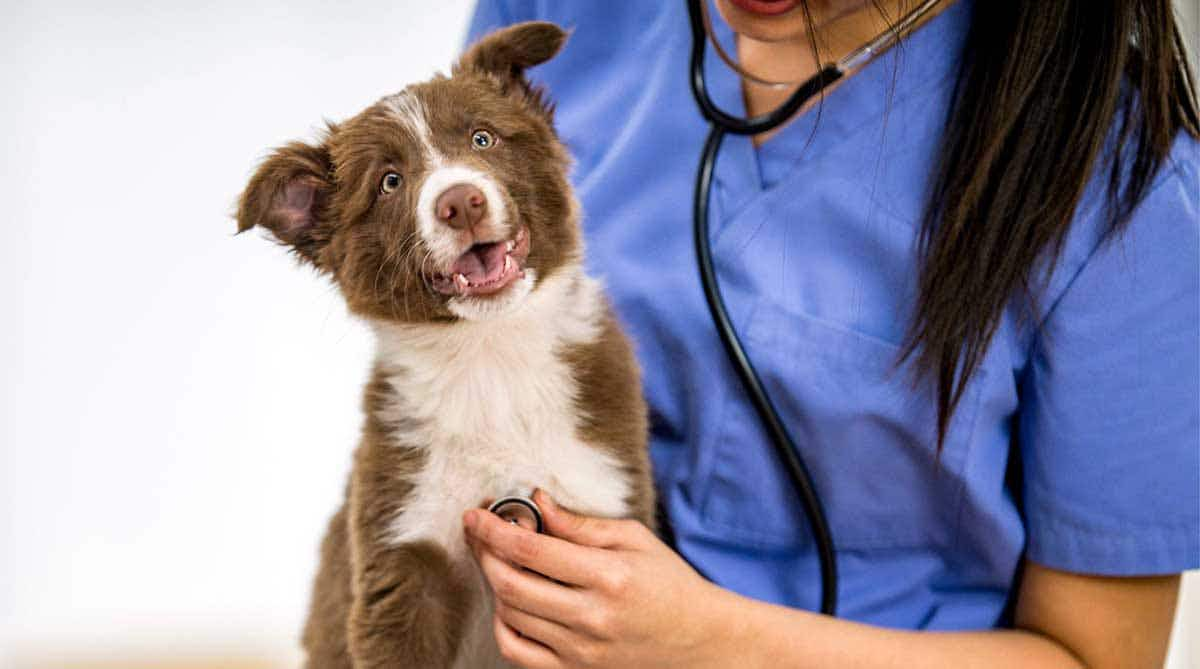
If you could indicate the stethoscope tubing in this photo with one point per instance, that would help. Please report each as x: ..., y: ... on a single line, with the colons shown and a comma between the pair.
x: 769, y: 416
x: 720, y: 124
x: 781, y: 439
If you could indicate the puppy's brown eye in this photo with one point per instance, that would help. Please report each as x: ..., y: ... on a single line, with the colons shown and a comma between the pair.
x: 390, y: 182
x: 482, y: 139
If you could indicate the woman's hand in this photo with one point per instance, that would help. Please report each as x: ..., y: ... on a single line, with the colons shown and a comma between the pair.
x: 594, y: 592
x: 615, y: 596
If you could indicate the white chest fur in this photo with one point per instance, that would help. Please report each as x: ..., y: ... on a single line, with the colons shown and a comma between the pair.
x: 494, y: 404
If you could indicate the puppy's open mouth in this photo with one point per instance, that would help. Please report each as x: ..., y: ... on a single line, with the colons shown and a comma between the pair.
x: 485, y: 268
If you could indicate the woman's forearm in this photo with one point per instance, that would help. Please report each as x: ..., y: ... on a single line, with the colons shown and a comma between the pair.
x: 1062, y: 619
x: 769, y: 636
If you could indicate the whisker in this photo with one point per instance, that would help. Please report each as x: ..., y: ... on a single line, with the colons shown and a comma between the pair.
x: 409, y: 247
x: 397, y: 266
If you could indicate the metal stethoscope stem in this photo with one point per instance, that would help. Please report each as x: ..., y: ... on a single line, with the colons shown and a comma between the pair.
x: 722, y: 123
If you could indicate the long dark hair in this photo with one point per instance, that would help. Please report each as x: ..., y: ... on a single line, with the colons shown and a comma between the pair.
x: 1049, y: 94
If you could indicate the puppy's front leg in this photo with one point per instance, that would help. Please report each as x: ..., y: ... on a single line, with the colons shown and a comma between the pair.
x: 409, y: 602
x: 408, y: 610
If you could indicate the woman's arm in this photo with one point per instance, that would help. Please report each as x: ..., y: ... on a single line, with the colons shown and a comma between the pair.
x: 1062, y: 620
x: 618, y: 597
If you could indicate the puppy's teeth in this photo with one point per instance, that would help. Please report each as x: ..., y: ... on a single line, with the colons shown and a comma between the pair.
x: 512, y: 244
x: 461, y: 281
x: 508, y: 264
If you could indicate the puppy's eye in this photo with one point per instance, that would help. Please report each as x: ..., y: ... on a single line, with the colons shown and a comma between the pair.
x: 482, y: 139
x: 390, y: 182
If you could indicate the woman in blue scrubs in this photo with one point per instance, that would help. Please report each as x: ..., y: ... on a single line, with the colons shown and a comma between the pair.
x: 1038, y: 508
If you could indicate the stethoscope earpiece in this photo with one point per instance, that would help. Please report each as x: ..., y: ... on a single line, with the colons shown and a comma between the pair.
x: 518, y: 511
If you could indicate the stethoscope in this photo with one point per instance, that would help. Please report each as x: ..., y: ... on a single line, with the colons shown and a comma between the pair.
x: 722, y: 123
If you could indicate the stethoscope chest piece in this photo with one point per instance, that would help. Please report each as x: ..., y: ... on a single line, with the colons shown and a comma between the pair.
x: 518, y: 511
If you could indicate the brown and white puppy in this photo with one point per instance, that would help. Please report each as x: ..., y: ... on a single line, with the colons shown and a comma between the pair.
x: 444, y: 215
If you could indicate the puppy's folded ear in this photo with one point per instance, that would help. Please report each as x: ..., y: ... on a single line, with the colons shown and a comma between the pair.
x: 507, y: 53
x: 289, y: 195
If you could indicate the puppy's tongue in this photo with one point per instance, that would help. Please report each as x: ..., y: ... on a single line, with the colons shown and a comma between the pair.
x: 481, y: 264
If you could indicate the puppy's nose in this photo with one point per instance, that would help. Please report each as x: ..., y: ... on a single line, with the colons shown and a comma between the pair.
x: 461, y: 206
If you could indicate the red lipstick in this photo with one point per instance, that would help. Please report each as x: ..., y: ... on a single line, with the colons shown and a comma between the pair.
x: 766, y: 7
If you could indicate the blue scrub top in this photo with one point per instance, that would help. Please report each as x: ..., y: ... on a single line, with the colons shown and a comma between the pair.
x: 814, y: 236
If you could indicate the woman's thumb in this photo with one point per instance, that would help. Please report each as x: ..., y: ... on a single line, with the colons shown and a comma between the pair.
x: 576, y: 528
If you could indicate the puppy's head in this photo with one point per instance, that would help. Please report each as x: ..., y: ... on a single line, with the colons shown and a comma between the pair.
x: 447, y: 200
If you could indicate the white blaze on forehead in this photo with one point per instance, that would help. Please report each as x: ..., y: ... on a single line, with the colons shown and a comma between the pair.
x: 444, y: 243
x: 411, y: 113
x: 439, y: 237
x: 441, y: 240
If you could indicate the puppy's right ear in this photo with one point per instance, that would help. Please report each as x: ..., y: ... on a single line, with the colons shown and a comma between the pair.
x: 289, y: 195
x: 508, y: 52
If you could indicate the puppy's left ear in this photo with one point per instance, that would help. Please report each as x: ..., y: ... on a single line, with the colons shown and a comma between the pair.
x: 289, y: 195
x: 507, y: 53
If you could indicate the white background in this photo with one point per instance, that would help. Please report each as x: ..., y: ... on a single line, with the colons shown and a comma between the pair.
x: 177, y: 405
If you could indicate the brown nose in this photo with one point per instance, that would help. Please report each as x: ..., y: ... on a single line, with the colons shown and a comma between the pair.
x: 461, y: 206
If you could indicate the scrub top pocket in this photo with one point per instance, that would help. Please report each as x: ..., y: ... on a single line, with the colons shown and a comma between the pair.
x: 866, y: 432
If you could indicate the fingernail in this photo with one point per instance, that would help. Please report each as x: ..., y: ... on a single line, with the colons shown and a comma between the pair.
x: 544, y: 498
x: 470, y: 519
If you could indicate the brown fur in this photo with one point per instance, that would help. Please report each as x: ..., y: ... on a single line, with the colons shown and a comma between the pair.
x: 376, y: 604
x: 365, y: 241
x: 613, y: 411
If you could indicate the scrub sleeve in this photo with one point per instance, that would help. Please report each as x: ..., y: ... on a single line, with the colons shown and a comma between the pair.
x: 1109, y: 429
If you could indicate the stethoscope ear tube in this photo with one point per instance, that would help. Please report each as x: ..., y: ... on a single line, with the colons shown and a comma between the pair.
x: 828, y: 74
x: 758, y: 124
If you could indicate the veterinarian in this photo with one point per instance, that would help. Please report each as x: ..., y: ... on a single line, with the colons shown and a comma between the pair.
x: 967, y: 272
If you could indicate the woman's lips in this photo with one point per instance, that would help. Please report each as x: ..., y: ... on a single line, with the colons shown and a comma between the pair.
x: 766, y: 7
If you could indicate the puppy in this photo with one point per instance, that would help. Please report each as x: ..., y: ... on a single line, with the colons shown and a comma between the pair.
x: 444, y: 216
